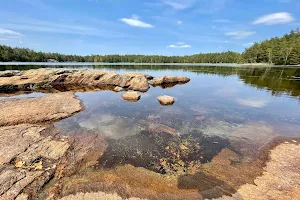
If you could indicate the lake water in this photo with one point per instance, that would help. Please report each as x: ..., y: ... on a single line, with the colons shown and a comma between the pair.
x: 236, y: 108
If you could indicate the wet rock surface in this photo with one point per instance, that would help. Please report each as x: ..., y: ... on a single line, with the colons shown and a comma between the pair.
x: 280, y: 179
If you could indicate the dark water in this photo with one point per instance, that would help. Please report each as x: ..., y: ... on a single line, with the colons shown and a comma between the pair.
x: 221, y: 107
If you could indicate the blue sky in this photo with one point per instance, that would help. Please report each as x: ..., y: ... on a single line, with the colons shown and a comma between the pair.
x: 167, y: 27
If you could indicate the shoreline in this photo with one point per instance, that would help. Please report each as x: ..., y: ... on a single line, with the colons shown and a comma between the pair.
x: 261, y: 65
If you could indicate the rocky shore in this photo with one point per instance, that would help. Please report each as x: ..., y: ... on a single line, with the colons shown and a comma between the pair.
x: 38, y: 162
x: 51, y: 80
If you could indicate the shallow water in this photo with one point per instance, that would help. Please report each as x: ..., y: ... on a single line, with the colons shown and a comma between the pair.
x: 240, y: 109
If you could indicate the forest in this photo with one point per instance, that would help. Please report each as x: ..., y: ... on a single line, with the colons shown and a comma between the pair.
x: 277, y: 51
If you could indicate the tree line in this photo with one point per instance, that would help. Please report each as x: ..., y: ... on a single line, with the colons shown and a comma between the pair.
x: 278, y: 51
x: 8, y: 54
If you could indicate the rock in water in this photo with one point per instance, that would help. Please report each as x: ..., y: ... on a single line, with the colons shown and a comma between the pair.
x: 168, y: 80
x: 166, y: 100
x: 118, y: 89
x: 131, y: 96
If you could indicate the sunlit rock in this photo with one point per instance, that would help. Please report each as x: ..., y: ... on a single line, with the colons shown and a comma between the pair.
x: 118, y: 89
x: 42, y: 109
x: 166, y: 100
x: 131, y: 96
x: 169, y: 79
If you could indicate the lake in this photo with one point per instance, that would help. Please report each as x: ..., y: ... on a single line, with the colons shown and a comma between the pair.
x: 222, y: 113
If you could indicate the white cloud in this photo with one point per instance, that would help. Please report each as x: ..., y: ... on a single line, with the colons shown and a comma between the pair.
x: 255, y: 103
x: 179, y: 22
x: 248, y: 44
x: 240, y: 34
x: 222, y: 21
x: 226, y: 41
x: 276, y: 18
x: 6, y: 34
x: 179, y: 4
x: 179, y: 45
x: 185, y: 46
x: 134, y: 21
x: 18, y: 23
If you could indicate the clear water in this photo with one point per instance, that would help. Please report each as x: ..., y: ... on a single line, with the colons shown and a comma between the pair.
x: 241, y: 109
x: 232, y: 98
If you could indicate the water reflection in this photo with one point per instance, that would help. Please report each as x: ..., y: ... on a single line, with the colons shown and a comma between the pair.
x: 221, y: 121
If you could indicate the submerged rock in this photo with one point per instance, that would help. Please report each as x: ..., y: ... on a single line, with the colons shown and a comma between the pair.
x: 131, y: 96
x: 157, y: 128
x: 166, y: 100
x: 280, y: 180
x: 42, y: 109
x: 168, y: 80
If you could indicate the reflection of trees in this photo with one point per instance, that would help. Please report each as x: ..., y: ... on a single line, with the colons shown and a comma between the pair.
x: 275, y: 79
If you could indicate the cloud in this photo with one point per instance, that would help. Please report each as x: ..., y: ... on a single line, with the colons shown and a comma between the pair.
x: 19, y: 23
x: 222, y: 21
x: 6, y: 34
x: 179, y: 4
x: 255, y: 103
x: 179, y: 22
x: 179, y: 45
x: 248, y: 44
x: 240, y: 34
x: 134, y: 21
x: 276, y: 18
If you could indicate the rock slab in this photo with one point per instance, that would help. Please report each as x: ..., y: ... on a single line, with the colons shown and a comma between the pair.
x: 35, y: 110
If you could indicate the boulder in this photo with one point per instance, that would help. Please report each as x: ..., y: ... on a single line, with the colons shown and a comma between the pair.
x: 136, y: 81
x: 63, y: 79
x: 131, y: 96
x: 118, y: 89
x: 134, y: 74
x: 166, y: 100
x: 169, y: 80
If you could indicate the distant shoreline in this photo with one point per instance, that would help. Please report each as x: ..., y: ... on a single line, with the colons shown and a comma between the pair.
x: 144, y: 64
